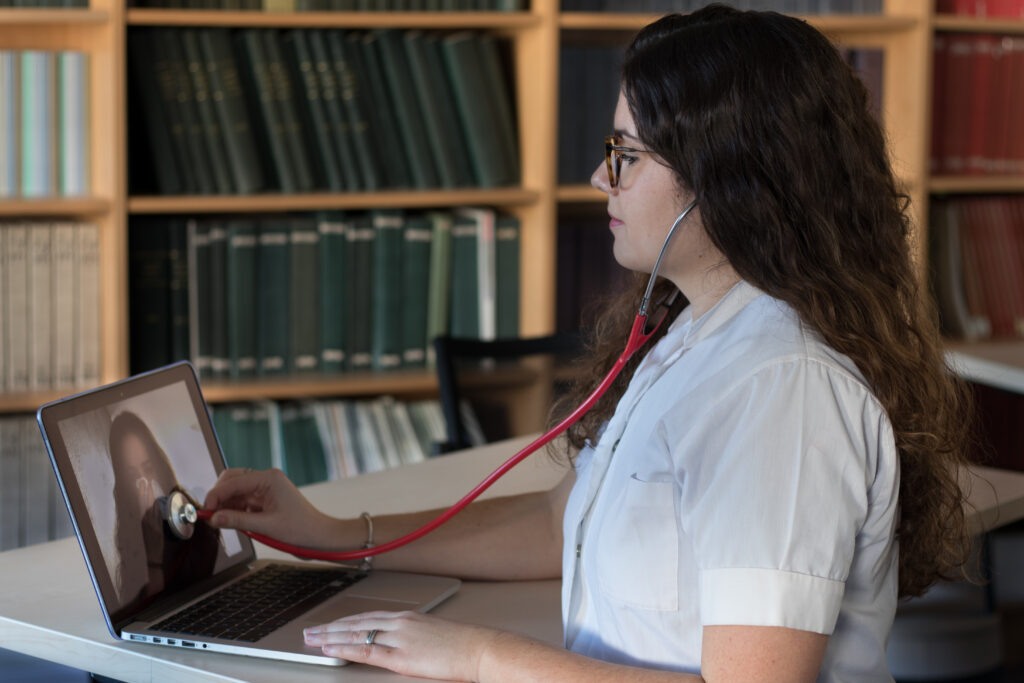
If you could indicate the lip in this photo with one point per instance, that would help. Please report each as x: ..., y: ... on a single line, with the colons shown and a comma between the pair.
x: 613, y: 222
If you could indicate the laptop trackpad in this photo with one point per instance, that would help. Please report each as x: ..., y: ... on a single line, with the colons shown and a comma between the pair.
x: 346, y: 605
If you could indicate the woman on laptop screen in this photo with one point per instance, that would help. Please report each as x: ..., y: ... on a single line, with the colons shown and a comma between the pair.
x: 151, y: 559
x: 734, y: 502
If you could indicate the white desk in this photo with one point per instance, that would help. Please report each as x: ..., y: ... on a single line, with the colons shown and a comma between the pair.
x: 48, y: 608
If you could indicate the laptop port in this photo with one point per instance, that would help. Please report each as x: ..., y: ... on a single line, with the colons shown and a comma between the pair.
x: 187, y: 644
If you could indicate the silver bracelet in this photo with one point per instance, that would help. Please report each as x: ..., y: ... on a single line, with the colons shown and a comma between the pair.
x: 367, y: 563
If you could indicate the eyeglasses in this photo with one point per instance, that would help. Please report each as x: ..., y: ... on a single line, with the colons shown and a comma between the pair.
x: 614, y: 154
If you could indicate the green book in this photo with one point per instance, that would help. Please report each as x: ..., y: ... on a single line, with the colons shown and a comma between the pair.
x: 439, y: 286
x: 417, y: 236
x: 463, y: 61
x: 178, y: 273
x: 200, y: 349
x: 73, y: 146
x: 210, y: 130
x: 359, y: 322
x: 409, y: 112
x: 501, y: 105
x: 260, y: 435
x: 304, y: 293
x: 231, y: 110
x: 453, y: 146
x: 38, y: 124
x: 354, y: 96
x: 506, y: 257
x: 272, y: 295
x: 285, y: 97
x: 216, y: 299
x: 270, y: 137
x: 10, y: 125
x: 386, y: 298
x: 148, y: 295
x: 317, y: 130
x: 199, y: 162
x: 241, y: 284
x: 382, y: 126
x: 332, y: 227
x: 339, y: 133
x: 465, y: 293
x: 153, y: 90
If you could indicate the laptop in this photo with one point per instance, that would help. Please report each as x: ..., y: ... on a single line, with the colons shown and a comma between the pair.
x: 118, y: 452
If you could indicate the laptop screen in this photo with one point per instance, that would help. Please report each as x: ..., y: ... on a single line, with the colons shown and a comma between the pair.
x: 119, y: 451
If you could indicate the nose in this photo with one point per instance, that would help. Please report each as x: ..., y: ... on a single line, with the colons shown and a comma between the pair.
x: 599, y: 179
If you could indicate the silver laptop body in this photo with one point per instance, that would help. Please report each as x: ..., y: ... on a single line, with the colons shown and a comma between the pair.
x: 118, y: 451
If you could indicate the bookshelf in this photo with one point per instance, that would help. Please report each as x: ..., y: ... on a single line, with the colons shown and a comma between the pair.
x: 904, y: 32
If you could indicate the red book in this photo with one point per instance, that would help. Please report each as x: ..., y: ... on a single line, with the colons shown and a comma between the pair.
x: 997, y: 142
x: 980, y: 95
x: 956, y: 102
x: 1015, y: 143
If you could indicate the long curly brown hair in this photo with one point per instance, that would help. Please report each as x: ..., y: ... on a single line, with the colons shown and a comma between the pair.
x: 762, y: 119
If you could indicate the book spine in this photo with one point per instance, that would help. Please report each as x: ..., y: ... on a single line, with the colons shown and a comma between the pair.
x: 272, y: 296
x: 333, y: 234
x: 10, y: 123
x: 387, y: 291
x: 38, y: 113
x: 148, y: 295
x: 40, y: 310
x: 439, y: 287
x: 16, y: 257
x: 304, y: 321
x: 353, y: 96
x: 210, y: 133
x: 358, y: 322
x: 258, y: 83
x: 73, y: 103
x: 63, y: 284
x: 178, y: 289
x: 87, y: 307
x: 465, y: 294
x: 284, y: 96
x: 153, y: 88
x: 241, y: 298
x: 415, y: 279
x: 507, y: 246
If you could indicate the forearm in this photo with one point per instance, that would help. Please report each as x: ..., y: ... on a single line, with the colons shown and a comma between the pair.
x: 515, y: 537
x: 510, y: 657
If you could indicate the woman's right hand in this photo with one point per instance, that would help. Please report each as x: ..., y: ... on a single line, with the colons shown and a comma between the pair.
x: 268, y: 503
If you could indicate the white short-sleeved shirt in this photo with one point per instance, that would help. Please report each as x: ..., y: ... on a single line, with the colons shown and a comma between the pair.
x: 748, y: 477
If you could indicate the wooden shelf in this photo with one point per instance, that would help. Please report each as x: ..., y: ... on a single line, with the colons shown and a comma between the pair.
x: 56, y: 207
x: 959, y: 24
x: 51, y: 17
x: 399, y: 383
x: 351, y: 20
x: 996, y: 363
x: 329, y: 201
x: 580, y: 194
x: 833, y: 24
x: 971, y: 184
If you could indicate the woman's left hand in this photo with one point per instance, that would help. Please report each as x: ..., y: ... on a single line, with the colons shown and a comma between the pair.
x: 408, y: 643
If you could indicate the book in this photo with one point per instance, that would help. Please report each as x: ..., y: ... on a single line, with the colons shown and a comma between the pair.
x: 40, y: 311
x: 88, y: 347
x: 10, y: 123
x: 211, y: 135
x: 506, y: 274
x: 365, y: 58
x: 410, y: 115
x: 386, y: 293
x: 63, y: 286
x: 152, y: 90
x: 38, y: 124
x: 947, y: 274
x: 240, y: 293
x: 338, y: 134
x: 417, y: 238
x: 178, y: 288
x: 317, y: 129
x: 148, y: 294
x: 333, y: 228
x: 439, y: 285
x: 485, y: 275
x: 284, y: 91
x: 272, y: 296
x: 269, y: 132
x: 359, y: 252
x: 354, y: 96
x: 16, y: 304
x: 464, y: 302
x: 304, y: 293
x: 229, y: 102
x: 200, y: 341
x: 463, y: 61
x: 73, y: 123
x: 215, y: 296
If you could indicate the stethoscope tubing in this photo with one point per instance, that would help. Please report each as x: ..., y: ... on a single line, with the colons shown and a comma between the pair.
x: 638, y: 336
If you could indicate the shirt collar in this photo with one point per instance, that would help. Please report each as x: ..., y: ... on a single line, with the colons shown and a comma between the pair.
x: 694, y: 331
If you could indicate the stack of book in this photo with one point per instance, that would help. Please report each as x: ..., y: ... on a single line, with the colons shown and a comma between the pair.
x: 329, y: 292
x: 49, y: 306
x: 315, y: 441
x: 31, y: 507
x: 996, y: 9
x: 44, y: 123
x: 302, y: 110
x: 977, y: 259
x: 978, y: 104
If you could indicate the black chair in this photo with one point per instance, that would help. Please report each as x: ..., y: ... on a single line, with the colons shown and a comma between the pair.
x: 452, y: 354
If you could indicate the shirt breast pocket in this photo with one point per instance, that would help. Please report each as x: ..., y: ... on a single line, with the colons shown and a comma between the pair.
x: 637, y: 560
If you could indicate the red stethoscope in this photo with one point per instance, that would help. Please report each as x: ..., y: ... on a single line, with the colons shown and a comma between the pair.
x: 181, y: 512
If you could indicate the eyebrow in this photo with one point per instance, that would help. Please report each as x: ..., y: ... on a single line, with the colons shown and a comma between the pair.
x: 618, y: 132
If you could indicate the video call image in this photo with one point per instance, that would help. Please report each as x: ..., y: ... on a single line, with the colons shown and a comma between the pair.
x: 127, y: 457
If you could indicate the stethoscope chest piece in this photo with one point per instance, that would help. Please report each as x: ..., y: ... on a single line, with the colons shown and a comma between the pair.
x: 180, y: 514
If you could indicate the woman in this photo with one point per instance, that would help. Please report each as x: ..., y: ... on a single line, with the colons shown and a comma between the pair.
x: 143, y: 474
x: 756, y: 491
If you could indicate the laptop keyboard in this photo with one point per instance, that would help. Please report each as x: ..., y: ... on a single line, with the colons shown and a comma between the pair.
x: 259, y: 604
